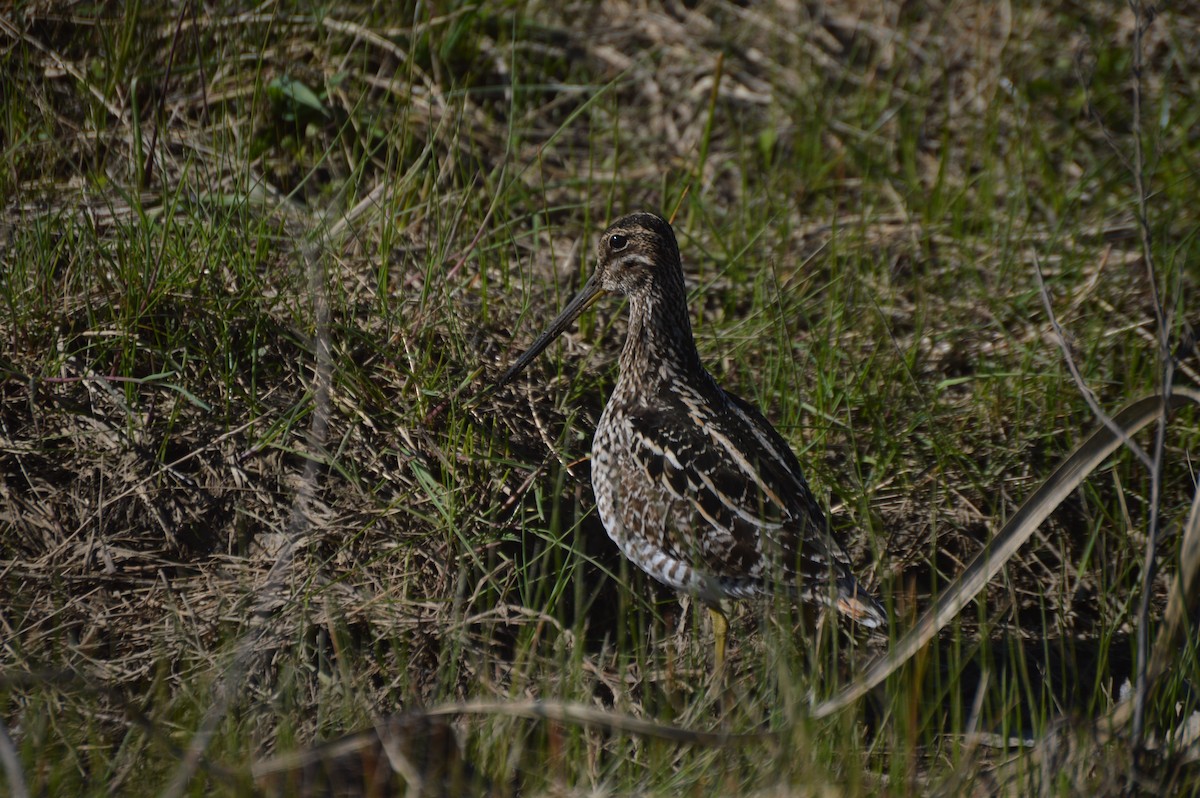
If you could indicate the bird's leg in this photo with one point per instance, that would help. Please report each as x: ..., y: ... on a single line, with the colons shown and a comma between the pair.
x: 720, y: 633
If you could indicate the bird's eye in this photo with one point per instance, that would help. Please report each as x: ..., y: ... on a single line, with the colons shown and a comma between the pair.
x: 618, y: 242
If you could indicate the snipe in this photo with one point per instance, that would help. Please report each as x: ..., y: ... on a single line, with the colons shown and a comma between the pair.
x: 691, y: 482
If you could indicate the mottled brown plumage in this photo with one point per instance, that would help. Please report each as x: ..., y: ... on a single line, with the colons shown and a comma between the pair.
x: 693, y: 484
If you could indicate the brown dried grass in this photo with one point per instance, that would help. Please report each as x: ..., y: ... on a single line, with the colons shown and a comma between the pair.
x: 138, y: 527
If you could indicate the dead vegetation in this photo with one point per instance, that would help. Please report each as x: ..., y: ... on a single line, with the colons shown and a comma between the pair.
x: 198, y: 201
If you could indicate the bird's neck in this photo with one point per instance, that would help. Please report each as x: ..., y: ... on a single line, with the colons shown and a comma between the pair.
x: 660, y: 347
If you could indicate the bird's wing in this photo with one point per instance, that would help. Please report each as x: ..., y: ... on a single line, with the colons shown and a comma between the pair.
x: 781, y: 469
x: 747, y: 506
x: 820, y: 550
x: 716, y: 517
x: 738, y: 491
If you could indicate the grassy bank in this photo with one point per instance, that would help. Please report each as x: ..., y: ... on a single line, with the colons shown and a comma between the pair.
x: 259, y: 267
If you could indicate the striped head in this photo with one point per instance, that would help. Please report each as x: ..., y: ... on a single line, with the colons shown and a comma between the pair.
x: 639, y: 253
x: 637, y: 256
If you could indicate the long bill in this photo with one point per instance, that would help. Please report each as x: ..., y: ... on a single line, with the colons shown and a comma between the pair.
x: 592, y: 290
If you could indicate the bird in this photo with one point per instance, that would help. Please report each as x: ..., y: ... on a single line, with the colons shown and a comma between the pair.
x: 692, y: 482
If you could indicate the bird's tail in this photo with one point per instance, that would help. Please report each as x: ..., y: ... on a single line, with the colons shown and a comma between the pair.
x: 852, y: 600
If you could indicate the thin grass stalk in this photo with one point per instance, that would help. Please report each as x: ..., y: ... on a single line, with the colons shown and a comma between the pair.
x: 1143, y: 18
